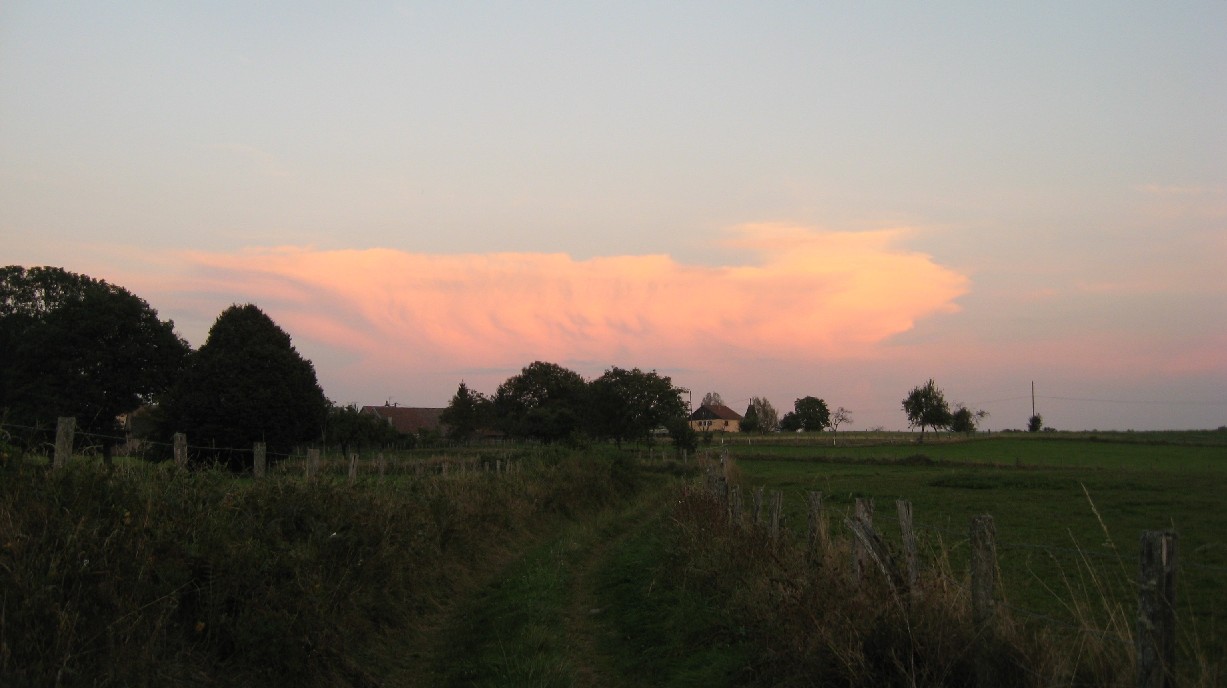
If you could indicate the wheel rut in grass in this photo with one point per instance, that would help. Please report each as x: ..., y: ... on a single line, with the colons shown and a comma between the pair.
x: 539, y: 620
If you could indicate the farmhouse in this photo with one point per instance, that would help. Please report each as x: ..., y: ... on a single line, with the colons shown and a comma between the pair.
x: 406, y: 420
x: 715, y: 418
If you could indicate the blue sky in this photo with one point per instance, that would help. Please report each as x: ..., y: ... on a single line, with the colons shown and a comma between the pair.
x: 1005, y: 194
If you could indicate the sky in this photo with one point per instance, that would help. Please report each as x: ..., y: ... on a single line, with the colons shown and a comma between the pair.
x: 840, y: 200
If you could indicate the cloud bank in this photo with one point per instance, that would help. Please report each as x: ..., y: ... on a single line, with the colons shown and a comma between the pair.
x: 797, y: 294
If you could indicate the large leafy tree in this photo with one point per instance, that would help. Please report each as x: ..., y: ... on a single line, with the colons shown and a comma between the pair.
x: 712, y: 399
x: 246, y: 384
x: 627, y: 405
x: 466, y: 414
x: 544, y: 401
x: 809, y: 413
x: 926, y: 406
x: 72, y: 345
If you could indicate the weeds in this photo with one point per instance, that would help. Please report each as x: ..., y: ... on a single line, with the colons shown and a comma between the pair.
x: 152, y: 575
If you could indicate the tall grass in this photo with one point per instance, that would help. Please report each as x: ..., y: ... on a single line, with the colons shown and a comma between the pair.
x: 158, y: 576
x: 813, y: 623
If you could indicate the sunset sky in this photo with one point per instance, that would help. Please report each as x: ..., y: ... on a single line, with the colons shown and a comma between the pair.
x: 759, y: 199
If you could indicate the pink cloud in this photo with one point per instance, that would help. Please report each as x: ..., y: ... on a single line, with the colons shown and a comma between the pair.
x: 801, y: 294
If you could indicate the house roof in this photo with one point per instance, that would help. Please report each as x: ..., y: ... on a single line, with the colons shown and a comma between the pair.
x: 714, y: 412
x: 406, y: 419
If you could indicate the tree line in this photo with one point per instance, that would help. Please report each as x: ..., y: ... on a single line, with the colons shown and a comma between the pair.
x: 72, y: 345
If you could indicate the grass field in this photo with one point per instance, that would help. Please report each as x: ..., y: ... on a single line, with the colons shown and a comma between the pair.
x: 1068, y: 508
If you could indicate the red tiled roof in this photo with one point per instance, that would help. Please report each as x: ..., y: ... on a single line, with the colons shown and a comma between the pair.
x: 714, y: 412
x: 406, y: 419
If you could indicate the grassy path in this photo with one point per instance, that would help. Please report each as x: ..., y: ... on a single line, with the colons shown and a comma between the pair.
x: 540, y: 621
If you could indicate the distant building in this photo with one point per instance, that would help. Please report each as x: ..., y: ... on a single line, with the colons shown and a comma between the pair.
x: 406, y: 420
x: 715, y: 418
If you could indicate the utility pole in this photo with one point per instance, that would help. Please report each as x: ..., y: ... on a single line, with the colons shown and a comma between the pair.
x: 1033, y: 398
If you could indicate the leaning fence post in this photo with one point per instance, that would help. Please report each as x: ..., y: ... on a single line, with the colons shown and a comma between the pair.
x: 353, y: 467
x: 909, y: 544
x: 65, y: 429
x: 817, y: 541
x: 777, y: 510
x: 180, y: 449
x: 863, y: 513
x: 1156, y: 627
x: 735, y: 506
x: 259, y: 452
x: 983, y: 606
x: 758, y: 505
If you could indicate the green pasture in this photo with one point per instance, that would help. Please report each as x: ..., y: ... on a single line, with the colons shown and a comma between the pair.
x: 1068, y: 510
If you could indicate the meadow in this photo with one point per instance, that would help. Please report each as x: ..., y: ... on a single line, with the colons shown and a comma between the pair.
x: 602, y: 567
x: 1068, y: 508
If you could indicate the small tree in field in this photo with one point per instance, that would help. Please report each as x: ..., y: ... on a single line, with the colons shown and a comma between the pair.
x: 762, y: 416
x: 839, y: 417
x: 926, y: 406
x: 965, y: 420
x: 1035, y: 423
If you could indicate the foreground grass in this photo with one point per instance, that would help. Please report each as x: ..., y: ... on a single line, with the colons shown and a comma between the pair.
x: 157, y: 576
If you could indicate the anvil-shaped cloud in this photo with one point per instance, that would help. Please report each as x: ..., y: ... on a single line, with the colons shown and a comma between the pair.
x: 800, y: 294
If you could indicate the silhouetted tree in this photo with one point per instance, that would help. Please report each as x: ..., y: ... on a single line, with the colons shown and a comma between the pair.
x: 350, y: 428
x: 926, y: 406
x: 72, y: 345
x: 809, y: 413
x: 712, y: 399
x: 543, y: 402
x: 965, y: 420
x: 1035, y: 423
x: 466, y: 414
x: 246, y: 384
x: 630, y: 404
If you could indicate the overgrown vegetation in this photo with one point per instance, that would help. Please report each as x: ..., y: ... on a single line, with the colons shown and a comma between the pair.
x: 157, y: 576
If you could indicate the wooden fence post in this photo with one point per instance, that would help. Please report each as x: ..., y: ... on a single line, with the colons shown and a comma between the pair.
x: 65, y: 429
x: 735, y: 506
x: 259, y: 462
x: 777, y: 513
x: 862, y: 513
x: 180, y: 449
x: 1156, y: 628
x: 313, y: 462
x: 983, y: 606
x: 381, y: 464
x: 817, y: 541
x: 908, y: 536
x: 758, y: 505
x: 353, y: 467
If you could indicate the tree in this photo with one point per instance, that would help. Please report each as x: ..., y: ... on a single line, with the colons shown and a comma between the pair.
x: 630, y: 404
x: 1035, y: 423
x: 466, y: 414
x: 761, y: 415
x: 72, y: 345
x: 246, y: 384
x: 544, y: 402
x: 926, y: 406
x: 813, y: 413
x: 839, y: 417
x: 350, y: 428
x: 749, y: 420
x: 965, y: 420
x: 712, y: 399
